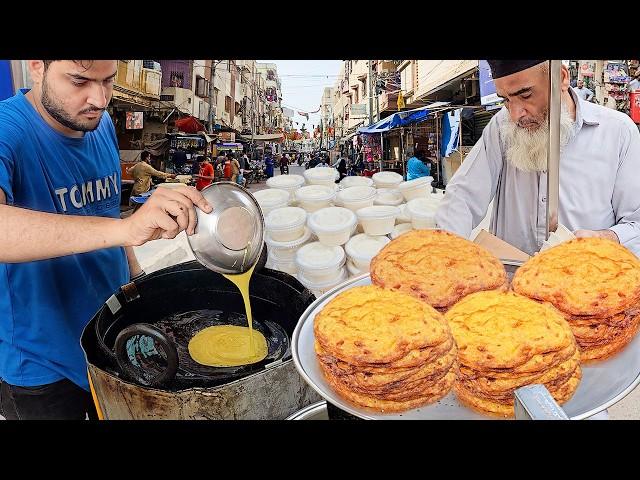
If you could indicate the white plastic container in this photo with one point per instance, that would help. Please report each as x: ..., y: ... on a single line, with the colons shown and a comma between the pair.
x: 320, y: 288
x: 315, y: 197
x: 423, y: 212
x: 288, y: 267
x: 321, y: 176
x: 388, y: 196
x: 362, y: 248
x: 333, y: 225
x: 378, y: 219
x: 320, y: 263
x: 290, y: 183
x: 286, y: 251
x: 420, y: 187
x: 271, y: 198
x: 356, y: 181
x: 286, y: 224
x: 353, y: 271
x: 355, y: 198
x: 387, y: 179
x: 405, y: 216
x: 400, y: 229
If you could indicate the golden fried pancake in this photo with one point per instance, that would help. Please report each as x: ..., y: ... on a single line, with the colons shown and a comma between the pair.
x: 428, y: 396
x: 601, y: 352
x: 495, y: 330
x: 436, y: 267
x: 561, y: 394
x: 497, y: 386
x: 375, y: 381
x: 585, y: 276
x: 372, y: 325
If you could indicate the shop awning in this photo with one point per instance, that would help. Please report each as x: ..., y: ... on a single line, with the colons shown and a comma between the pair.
x: 401, y: 119
x: 189, y: 124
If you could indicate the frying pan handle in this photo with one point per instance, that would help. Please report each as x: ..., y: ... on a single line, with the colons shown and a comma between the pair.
x: 137, y: 354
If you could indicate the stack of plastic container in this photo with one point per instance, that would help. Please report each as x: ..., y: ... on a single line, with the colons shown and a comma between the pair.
x: 356, y: 181
x: 286, y: 232
x: 271, y: 199
x: 315, y: 197
x: 290, y: 183
x: 361, y: 249
x: 387, y: 179
x: 322, y: 176
x: 420, y: 187
x: 320, y: 267
x: 355, y: 198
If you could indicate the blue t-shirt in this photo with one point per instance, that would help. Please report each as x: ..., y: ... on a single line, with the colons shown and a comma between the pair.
x: 44, y: 305
x: 417, y: 169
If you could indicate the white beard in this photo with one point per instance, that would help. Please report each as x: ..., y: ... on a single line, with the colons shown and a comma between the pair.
x: 527, y: 150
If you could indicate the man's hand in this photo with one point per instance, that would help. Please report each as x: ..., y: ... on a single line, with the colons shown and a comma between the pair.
x: 608, y: 234
x: 173, y: 175
x: 167, y: 212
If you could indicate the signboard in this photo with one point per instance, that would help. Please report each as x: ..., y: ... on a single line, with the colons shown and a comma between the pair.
x: 587, y: 68
x: 358, y: 109
x: 288, y: 112
x: 488, y: 95
x: 134, y: 121
x: 227, y: 136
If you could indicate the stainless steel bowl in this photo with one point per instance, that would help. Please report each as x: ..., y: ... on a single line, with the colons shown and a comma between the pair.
x: 230, y: 238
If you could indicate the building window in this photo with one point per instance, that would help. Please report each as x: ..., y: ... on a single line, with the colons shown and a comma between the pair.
x: 237, y: 108
x: 176, y: 79
x: 364, y: 88
x: 202, y: 86
x: 227, y: 104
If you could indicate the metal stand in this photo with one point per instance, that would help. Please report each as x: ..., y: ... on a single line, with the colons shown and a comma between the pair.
x: 553, y: 152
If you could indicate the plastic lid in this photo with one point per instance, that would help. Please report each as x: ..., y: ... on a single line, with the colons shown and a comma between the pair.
x: 318, y: 193
x: 378, y: 211
x: 291, y: 244
x: 321, y: 173
x: 422, y: 207
x: 418, y: 182
x: 285, y: 218
x: 322, y: 285
x: 388, y: 196
x: 356, y: 181
x: 317, y: 256
x: 387, y: 178
x: 332, y: 219
x: 353, y: 270
x: 364, y: 247
x: 272, y: 197
x: 356, y: 193
x: 286, y: 181
x: 400, y: 229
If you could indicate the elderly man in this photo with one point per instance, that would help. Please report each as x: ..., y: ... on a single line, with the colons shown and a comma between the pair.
x: 599, y: 165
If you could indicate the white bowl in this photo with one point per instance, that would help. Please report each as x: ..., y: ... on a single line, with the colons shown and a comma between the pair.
x: 283, y: 266
x: 353, y: 270
x: 286, y: 251
x: 362, y: 248
x: 405, y: 216
x: 378, y: 219
x: 319, y: 262
x: 388, y: 196
x: 420, y: 187
x: 387, y: 179
x: 270, y: 199
x: 333, y: 225
x: 286, y: 224
x: 423, y: 212
x: 320, y: 288
x: 321, y: 176
x: 355, y: 198
x: 400, y: 229
x: 315, y: 197
x: 356, y: 181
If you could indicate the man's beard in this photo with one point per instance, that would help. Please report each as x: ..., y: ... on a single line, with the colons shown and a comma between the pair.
x: 55, y: 109
x: 527, y: 149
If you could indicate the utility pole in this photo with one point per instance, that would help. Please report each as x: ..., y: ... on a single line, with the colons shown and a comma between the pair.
x: 370, y: 94
x: 212, y: 72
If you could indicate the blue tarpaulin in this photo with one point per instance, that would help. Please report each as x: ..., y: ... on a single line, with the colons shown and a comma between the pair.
x: 450, y: 131
x: 401, y: 119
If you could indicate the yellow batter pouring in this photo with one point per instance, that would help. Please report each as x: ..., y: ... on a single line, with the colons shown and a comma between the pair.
x: 230, y: 345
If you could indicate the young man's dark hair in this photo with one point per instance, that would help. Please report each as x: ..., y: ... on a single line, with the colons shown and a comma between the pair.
x: 145, y: 156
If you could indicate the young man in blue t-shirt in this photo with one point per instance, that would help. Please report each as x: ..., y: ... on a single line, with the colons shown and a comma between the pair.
x: 61, y: 236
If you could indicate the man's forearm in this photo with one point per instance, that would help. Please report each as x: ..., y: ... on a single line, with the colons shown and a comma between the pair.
x: 134, y: 266
x: 27, y: 235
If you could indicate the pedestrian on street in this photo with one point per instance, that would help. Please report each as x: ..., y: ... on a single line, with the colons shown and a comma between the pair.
x: 268, y: 161
x: 64, y: 250
x: 284, y: 164
x: 416, y: 166
x: 583, y: 92
x: 206, y: 173
x: 235, y: 168
x: 142, y: 172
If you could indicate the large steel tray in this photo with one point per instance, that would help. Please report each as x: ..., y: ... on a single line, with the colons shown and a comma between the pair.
x: 603, y: 383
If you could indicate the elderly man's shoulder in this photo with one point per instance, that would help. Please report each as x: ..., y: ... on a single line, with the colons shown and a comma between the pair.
x: 607, y: 116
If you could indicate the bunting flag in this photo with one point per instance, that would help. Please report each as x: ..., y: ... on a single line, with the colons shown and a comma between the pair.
x: 400, y: 101
x: 305, y: 115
